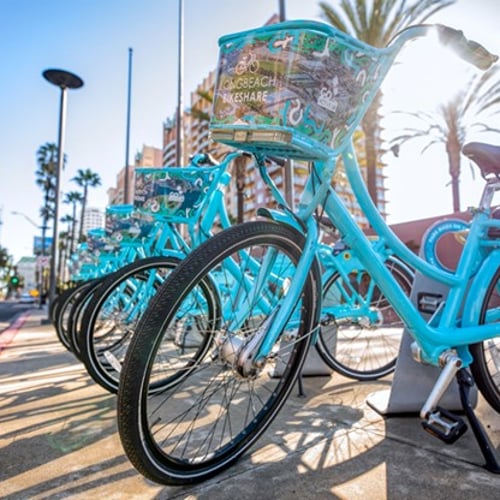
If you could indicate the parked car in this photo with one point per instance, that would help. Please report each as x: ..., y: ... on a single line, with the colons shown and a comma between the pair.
x: 26, y: 298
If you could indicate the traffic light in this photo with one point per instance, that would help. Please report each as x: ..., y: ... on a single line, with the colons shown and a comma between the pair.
x: 14, y: 281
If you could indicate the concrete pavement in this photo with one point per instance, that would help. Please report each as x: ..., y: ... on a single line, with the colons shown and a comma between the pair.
x: 59, y: 439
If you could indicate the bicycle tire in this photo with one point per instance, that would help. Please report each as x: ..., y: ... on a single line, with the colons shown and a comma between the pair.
x: 64, y: 312
x: 110, y: 319
x: 485, y: 367
x: 356, y: 347
x: 249, y: 402
x: 76, y: 311
x: 55, y: 304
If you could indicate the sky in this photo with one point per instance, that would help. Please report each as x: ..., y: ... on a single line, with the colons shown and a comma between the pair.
x: 91, y: 38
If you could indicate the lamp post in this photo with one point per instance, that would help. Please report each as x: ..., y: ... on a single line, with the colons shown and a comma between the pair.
x: 127, y: 138
x: 64, y: 80
x: 40, y: 265
x: 179, y: 141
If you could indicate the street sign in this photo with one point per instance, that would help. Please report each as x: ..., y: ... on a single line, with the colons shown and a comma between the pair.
x: 42, y: 261
x: 42, y: 245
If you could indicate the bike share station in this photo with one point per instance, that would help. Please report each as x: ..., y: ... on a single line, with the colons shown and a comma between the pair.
x: 413, y: 381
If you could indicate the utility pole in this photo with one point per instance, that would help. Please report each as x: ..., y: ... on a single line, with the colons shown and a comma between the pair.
x: 288, y: 166
x: 126, y: 187
x: 179, y: 143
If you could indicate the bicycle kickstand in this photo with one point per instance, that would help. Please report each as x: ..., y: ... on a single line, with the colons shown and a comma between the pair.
x: 465, y: 382
x: 300, y: 384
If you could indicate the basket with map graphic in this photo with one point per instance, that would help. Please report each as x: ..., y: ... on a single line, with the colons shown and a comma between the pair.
x: 174, y: 193
x: 98, y: 242
x: 124, y: 225
x: 297, y: 88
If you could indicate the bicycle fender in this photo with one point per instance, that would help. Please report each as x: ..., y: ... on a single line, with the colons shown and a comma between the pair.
x: 280, y: 217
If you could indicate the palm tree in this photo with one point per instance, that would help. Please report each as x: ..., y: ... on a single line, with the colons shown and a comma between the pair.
x: 5, y: 262
x: 85, y: 179
x: 375, y: 23
x: 73, y: 198
x: 64, y: 236
x: 455, y: 121
x: 46, y: 157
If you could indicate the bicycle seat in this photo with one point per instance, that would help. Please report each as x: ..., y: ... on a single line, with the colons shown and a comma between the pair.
x: 486, y: 156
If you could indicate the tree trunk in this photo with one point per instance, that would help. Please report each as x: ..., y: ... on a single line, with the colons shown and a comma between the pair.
x: 369, y: 124
x: 73, y: 228
x: 453, y: 151
x: 84, y: 205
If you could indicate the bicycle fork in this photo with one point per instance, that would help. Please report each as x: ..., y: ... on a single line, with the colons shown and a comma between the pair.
x: 449, y: 427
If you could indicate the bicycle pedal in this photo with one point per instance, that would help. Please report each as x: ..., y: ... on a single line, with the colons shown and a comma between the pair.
x: 444, y: 425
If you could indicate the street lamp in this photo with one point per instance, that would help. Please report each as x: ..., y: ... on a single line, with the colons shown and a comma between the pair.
x: 29, y: 219
x: 64, y: 80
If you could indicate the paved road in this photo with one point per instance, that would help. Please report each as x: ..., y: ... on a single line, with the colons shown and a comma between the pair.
x: 9, y: 310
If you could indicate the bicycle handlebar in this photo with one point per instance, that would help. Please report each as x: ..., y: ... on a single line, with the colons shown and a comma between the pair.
x: 468, y: 50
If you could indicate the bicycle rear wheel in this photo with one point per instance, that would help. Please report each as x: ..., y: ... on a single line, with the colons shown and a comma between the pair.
x: 112, y: 315
x: 364, y: 343
x: 183, y: 427
x: 486, y: 365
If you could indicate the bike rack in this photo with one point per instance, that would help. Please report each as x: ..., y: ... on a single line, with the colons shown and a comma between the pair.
x: 405, y: 395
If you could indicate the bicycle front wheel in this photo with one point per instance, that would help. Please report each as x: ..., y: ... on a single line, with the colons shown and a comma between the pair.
x: 183, y: 427
x: 486, y: 365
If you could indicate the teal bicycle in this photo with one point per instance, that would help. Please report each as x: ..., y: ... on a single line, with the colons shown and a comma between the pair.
x: 307, y: 89
x: 126, y: 239
x: 360, y: 333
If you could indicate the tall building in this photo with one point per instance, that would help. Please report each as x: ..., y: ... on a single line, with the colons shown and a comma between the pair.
x: 92, y: 218
x: 148, y: 157
x: 26, y: 267
x: 252, y: 188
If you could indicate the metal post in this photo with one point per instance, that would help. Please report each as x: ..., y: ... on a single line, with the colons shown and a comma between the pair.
x: 126, y: 188
x: 288, y: 166
x: 179, y: 146
x: 55, y: 226
x: 282, y: 13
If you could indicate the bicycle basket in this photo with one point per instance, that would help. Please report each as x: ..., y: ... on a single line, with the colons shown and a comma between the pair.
x: 297, y: 88
x: 98, y: 243
x: 125, y: 226
x: 173, y: 193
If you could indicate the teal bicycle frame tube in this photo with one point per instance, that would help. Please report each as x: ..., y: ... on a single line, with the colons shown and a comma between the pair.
x: 286, y: 308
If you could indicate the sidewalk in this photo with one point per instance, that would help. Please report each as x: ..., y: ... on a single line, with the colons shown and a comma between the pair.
x: 59, y: 440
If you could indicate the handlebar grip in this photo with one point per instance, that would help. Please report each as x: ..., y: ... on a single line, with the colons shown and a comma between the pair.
x: 468, y: 50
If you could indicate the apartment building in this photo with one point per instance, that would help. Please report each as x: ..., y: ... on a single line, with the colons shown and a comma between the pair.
x: 92, y: 218
x: 149, y: 156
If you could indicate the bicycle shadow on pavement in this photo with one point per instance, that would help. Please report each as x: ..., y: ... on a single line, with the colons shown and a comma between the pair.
x: 59, y: 439
x: 333, y: 445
